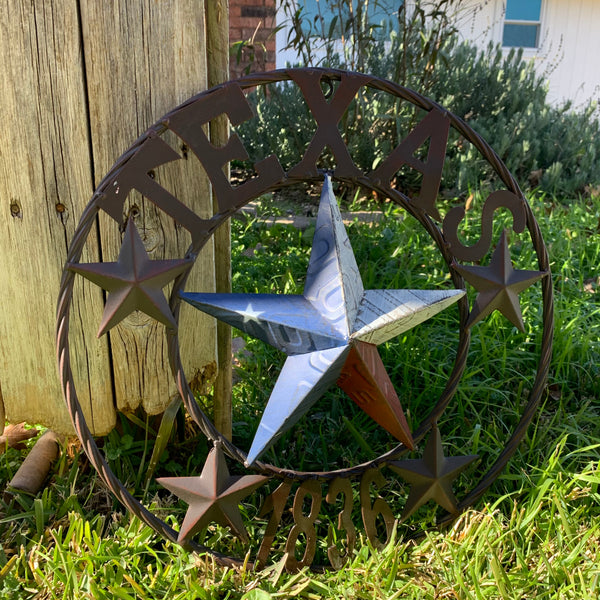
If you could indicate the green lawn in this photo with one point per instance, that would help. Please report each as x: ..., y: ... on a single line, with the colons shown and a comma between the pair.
x: 535, y: 534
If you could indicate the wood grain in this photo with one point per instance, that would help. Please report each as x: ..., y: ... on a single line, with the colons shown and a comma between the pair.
x: 142, y: 59
x: 217, y: 51
x: 82, y: 81
x: 45, y: 182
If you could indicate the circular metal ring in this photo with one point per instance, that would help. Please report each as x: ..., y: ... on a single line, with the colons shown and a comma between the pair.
x: 364, y: 180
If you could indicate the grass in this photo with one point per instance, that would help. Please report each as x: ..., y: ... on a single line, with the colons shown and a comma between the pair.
x: 536, y: 534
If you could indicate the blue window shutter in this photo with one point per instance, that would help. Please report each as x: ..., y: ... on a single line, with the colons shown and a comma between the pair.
x: 378, y: 12
x: 520, y: 36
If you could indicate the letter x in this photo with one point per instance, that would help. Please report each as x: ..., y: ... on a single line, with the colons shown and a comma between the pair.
x: 327, y: 115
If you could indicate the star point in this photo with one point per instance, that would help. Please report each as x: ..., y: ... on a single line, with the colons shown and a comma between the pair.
x: 310, y: 375
x: 366, y: 381
x: 134, y: 282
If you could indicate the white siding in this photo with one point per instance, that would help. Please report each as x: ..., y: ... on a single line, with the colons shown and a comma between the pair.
x: 568, y: 56
x: 480, y: 22
x: 569, y: 52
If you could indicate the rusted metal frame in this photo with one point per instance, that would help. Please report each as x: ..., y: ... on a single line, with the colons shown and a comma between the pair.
x: 251, y: 81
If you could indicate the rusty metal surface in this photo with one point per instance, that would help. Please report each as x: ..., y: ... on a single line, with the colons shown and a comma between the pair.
x: 328, y: 94
x: 304, y: 524
x: 434, y: 127
x: 327, y: 114
x: 189, y: 122
x: 341, y: 487
x: 274, y: 504
x: 365, y: 379
x: 371, y: 510
x: 135, y: 174
x: 497, y: 199
x: 498, y: 285
x: 431, y: 477
x: 134, y: 282
x: 213, y: 496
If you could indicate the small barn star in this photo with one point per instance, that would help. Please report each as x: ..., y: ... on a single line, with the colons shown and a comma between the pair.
x: 213, y: 496
x: 134, y: 282
x: 499, y: 286
x: 431, y: 477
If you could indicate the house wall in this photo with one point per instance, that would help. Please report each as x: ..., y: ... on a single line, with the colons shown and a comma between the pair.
x: 568, y: 51
x: 568, y: 47
x: 252, y: 21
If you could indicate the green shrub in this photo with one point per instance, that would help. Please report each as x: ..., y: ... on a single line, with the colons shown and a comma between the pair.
x: 502, y: 98
x: 551, y: 147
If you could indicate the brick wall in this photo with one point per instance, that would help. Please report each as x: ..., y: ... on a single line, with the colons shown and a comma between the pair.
x: 252, y: 20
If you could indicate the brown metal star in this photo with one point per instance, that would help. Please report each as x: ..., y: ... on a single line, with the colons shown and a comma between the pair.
x: 134, y: 282
x: 431, y: 476
x: 499, y: 286
x: 213, y: 496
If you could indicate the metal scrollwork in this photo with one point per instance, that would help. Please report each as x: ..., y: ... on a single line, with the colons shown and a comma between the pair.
x: 304, y: 524
x: 380, y: 507
x: 498, y: 199
x: 274, y: 504
x: 336, y: 488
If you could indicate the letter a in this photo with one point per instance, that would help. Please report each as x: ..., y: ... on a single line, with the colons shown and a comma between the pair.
x: 435, y: 127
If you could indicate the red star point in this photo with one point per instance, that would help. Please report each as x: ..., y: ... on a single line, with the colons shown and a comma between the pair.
x: 365, y: 379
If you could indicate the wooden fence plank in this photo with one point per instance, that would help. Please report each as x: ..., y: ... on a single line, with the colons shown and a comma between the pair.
x: 217, y: 51
x: 45, y: 182
x: 69, y: 110
x: 142, y: 59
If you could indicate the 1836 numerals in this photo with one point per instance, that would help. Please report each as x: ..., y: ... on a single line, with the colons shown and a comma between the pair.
x: 301, y: 543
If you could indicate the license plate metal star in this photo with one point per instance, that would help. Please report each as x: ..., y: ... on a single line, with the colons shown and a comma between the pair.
x: 329, y: 333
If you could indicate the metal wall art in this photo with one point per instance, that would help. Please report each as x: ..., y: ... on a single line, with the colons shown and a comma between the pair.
x: 329, y: 333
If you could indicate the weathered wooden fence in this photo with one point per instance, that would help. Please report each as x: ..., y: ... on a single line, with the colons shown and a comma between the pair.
x: 82, y: 80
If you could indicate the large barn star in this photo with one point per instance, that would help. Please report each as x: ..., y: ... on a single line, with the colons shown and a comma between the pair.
x: 134, y: 282
x: 329, y: 333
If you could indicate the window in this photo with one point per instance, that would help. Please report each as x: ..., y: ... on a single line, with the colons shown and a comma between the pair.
x: 522, y: 23
x: 378, y: 12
